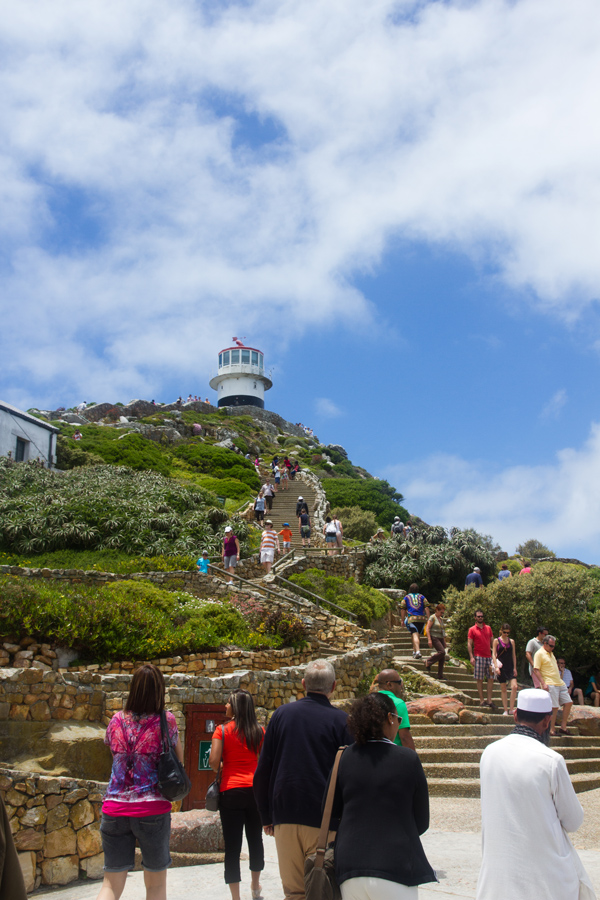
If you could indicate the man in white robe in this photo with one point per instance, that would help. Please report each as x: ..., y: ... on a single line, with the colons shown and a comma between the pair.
x: 528, y: 805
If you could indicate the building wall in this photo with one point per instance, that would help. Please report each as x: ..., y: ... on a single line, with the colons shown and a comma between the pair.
x: 240, y: 386
x: 40, y: 441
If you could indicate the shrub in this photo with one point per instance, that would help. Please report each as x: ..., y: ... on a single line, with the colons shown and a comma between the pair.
x: 230, y: 488
x: 369, y: 494
x: 69, y: 455
x: 430, y: 557
x: 124, y: 620
x: 533, y: 549
x: 358, y: 524
x: 107, y: 508
x: 287, y: 627
x: 366, y: 603
x: 561, y: 597
x: 120, y: 449
x: 219, y: 462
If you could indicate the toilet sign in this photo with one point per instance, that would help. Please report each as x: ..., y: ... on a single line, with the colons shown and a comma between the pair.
x: 203, y: 755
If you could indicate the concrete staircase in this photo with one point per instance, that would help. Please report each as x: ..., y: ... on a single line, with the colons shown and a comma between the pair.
x: 450, y: 753
x: 284, y: 505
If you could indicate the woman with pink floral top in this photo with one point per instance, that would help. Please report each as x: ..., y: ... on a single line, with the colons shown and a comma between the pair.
x: 133, y: 807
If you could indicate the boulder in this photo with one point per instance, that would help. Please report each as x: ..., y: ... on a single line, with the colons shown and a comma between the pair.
x: 93, y: 866
x: 473, y: 717
x: 62, y: 870
x: 60, y: 843
x: 27, y: 863
x: 584, y: 718
x: 196, y: 831
x: 429, y: 706
x: 338, y: 449
x: 89, y: 841
x: 445, y: 718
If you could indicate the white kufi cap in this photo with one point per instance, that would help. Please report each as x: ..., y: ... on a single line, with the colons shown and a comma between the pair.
x: 534, y: 700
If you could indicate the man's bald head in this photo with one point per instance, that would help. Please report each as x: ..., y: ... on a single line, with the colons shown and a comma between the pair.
x: 389, y: 680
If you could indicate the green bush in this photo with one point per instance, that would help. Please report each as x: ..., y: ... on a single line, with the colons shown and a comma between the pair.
x: 230, y: 488
x: 107, y: 508
x: 219, y: 462
x: 117, y: 448
x: 430, y: 557
x: 123, y: 620
x: 365, y: 602
x: 101, y: 561
x: 358, y: 524
x: 533, y: 549
x: 369, y: 494
x: 69, y: 455
x: 561, y: 597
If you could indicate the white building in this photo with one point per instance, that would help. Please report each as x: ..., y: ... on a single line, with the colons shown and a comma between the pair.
x: 241, y: 380
x: 23, y: 437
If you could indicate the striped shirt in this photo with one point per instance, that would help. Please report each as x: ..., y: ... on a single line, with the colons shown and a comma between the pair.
x: 269, y: 541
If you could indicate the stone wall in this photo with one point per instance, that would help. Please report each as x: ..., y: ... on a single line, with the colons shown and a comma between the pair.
x: 31, y: 694
x: 217, y: 662
x: 56, y: 826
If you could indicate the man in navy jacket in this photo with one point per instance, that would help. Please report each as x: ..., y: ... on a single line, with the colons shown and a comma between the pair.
x: 299, y: 749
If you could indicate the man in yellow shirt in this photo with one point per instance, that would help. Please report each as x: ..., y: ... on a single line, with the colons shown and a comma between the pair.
x: 546, y: 671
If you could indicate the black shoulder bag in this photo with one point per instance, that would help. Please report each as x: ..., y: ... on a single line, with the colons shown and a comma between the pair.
x: 173, y: 781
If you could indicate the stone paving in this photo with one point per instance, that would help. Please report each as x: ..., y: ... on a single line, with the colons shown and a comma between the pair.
x: 452, y: 844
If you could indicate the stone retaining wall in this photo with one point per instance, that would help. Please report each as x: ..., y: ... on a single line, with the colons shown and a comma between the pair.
x: 31, y: 694
x: 56, y: 826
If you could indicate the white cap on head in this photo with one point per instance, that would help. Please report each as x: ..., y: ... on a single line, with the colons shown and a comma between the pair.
x: 534, y: 700
x: 300, y: 498
x: 228, y: 528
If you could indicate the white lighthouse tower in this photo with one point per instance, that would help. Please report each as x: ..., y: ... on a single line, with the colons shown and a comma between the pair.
x: 241, y: 380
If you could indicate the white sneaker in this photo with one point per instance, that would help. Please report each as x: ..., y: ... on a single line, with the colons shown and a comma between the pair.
x: 230, y: 582
x: 417, y: 654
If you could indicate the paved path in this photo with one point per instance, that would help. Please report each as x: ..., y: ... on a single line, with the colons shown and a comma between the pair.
x: 452, y: 844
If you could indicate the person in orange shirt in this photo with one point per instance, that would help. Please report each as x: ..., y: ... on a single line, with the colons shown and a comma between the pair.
x: 286, y: 536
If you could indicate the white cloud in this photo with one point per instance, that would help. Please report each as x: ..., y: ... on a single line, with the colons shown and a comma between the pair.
x: 327, y: 408
x: 557, y: 504
x: 465, y: 124
x: 551, y: 409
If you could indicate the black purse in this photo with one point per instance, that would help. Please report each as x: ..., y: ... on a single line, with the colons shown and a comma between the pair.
x: 212, y: 794
x: 173, y: 781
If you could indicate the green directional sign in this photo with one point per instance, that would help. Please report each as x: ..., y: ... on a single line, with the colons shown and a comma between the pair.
x: 203, y: 755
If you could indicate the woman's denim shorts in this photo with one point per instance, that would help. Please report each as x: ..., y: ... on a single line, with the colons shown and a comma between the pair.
x: 119, y: 834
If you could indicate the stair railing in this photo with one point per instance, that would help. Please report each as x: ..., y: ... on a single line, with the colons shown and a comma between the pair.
x: 297, y: 588
x: 256, y: 586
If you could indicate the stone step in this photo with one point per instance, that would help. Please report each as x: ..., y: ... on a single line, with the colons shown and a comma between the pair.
x: 485, y: 737
x: 463, y: 771
x: 465, y: 787
x: 451, y: 756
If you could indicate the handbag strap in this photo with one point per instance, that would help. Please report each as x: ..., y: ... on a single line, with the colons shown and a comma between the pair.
x: 324, y: 830
x: 165, y: 737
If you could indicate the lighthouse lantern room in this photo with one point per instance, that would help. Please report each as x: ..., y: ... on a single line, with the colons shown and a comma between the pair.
x: 241, y: 380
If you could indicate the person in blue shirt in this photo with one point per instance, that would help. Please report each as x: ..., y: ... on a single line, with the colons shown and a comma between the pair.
x: 504, y: 572
x: 474, y: 578
x: 203, y: 563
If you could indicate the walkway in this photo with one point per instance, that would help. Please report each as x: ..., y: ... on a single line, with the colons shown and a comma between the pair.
x: 452, y: 844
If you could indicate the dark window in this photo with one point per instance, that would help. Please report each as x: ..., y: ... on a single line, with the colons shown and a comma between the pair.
x: 246, y: 357
x: 254, y: 358
x: 235, y: 357
x: 20, y: 452
x: 220, y: 360
x: 226, y: 358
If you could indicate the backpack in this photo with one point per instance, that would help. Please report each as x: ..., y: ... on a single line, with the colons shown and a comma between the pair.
x: 330, y: 528
x: 397, y: 528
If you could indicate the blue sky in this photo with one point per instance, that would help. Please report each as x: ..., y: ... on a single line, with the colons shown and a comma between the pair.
x: 396, y: 201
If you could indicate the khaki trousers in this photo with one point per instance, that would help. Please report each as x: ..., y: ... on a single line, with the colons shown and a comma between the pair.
x: 294, y: 843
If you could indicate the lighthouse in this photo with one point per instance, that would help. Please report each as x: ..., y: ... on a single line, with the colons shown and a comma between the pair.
x: 241, y: 380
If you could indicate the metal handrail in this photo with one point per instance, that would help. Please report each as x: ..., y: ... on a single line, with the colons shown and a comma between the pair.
x: 298, y: 587
x: 278, y: 562
x: 253, y: 584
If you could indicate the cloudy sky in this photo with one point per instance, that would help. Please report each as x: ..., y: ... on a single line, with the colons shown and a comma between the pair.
x: 397, y: 201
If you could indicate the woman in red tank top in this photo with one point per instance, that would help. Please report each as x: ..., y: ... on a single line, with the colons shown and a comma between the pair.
x: 235, y: 749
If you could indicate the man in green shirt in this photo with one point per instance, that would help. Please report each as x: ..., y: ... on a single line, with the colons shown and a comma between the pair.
x: 389, y: 682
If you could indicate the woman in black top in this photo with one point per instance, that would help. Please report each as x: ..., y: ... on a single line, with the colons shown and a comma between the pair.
x: 382, y: 801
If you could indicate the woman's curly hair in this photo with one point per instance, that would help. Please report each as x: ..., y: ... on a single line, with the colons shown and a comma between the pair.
x: 368, y: 716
